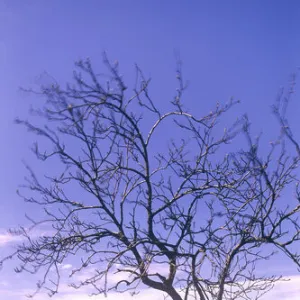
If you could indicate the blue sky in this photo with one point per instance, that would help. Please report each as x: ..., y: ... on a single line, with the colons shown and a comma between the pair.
x: 244, y: 49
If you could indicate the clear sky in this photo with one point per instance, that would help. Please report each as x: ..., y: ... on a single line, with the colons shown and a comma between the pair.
x: 244, y: 49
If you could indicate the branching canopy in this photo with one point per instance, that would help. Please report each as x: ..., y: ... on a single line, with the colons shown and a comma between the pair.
x: 163, y: 199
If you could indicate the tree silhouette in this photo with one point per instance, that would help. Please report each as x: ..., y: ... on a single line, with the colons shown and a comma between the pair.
x: 158, y: 201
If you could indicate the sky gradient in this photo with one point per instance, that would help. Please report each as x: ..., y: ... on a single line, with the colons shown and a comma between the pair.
x: 241, y: 49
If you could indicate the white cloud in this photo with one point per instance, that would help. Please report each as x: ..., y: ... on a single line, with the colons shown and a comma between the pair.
x: 4, y: 283
x: 79, y: 295
x: 66, y: 266
x: 283, y: 290
x: 144, y: 295
x: 6, y: 238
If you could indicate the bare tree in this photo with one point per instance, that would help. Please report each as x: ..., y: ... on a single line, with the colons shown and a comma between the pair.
x: 161, y: 204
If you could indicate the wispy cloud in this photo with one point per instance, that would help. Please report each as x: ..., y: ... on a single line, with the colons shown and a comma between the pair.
x: 6, y: 238
x: 76, y: 295
x: 66, y: 267
x: 4, y: 283
x: 283, y: 290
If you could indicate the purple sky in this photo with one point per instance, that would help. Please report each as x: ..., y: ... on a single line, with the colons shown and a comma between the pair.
x: 244, y: 49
